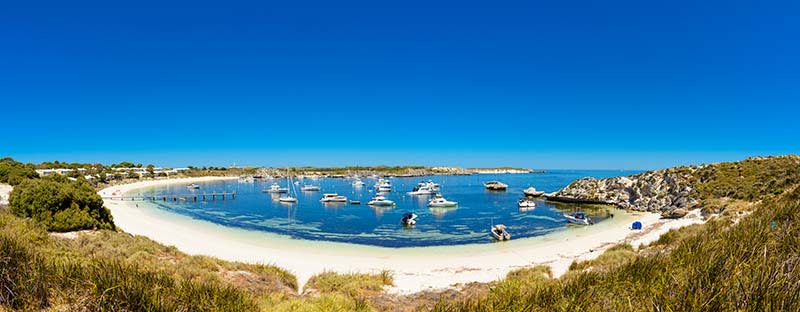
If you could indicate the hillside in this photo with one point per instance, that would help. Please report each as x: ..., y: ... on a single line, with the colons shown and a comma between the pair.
x: 688, y: 187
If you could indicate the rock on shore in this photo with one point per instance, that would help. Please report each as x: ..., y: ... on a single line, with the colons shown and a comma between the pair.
x: 662, y: 191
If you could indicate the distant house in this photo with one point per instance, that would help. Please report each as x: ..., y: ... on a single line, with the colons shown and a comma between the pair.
x: 49, y: 172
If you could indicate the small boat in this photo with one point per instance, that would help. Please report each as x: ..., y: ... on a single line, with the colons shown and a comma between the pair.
x: 355, y: 202
x: 532, y: 192
x: 495, y: 186
x: 246, y: 179
x: 440, y: 202
x: 409, y: 219
x: 333, y: 198
x: 276, y: 189
x: 193, y: 186
x: 309, y: 188
x: 499, y: 232
x: 287, y: 199
x: 381, y: 201
x: 526, y: 204
x: 578, y: 218
x: 358, y: 183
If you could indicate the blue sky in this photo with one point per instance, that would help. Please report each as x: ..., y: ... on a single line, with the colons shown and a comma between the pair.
x: 560, y: 84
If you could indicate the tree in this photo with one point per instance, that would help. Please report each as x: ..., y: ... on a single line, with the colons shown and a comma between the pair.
x: 151, y: 170
x: 60, y: 204
x: 14, y: 172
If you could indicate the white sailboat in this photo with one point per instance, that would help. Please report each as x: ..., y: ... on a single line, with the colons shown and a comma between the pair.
x: 291, y: 196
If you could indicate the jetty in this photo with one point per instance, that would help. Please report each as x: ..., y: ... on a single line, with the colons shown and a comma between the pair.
x: 176, y: 197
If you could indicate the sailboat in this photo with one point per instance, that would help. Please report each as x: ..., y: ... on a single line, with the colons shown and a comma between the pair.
x: 291, y: 196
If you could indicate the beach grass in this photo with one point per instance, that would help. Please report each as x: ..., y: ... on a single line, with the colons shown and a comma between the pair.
x: 752, y: 264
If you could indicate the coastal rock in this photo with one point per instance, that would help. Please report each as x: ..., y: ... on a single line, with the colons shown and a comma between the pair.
x: 653, y: 191
x: 675, y: 213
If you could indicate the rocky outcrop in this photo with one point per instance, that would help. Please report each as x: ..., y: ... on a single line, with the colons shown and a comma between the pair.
x: 654, y: 191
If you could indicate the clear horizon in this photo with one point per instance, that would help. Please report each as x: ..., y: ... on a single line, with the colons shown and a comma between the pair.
x: 584, y: 85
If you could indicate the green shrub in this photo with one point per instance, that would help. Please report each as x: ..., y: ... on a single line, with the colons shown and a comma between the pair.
x: 13, y: 172
x: 60, y: 204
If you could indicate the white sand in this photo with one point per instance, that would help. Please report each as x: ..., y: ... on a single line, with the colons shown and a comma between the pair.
x: 5, y: 189
x: 415, y: 269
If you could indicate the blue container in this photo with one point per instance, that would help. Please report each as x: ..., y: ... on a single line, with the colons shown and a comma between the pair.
x: 636, y: 225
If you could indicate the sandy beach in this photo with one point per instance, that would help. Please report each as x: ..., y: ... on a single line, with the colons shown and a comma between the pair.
x: 415, y: 269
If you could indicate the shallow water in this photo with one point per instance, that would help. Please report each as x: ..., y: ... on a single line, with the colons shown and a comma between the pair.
x: 477, y: 209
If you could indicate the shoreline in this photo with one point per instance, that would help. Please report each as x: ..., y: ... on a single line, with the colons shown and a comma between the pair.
x: 415, y: 268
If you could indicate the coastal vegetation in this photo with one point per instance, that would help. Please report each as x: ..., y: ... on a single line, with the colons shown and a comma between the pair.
x: 60, y: 204
x: 745, y: 257
x: 13, y: 172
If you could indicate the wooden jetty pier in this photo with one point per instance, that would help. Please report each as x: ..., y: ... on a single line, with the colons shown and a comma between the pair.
x: 177, y: 197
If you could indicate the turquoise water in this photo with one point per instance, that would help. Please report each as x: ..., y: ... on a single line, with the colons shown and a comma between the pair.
x: 477, y: 210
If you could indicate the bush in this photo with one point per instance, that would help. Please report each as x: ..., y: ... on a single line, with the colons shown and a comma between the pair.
x: 14, y: 172
x: 60, y: 205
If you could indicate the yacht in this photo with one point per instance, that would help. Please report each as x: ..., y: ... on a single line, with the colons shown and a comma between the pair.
x: 409, y: 219
x: 424, y: 188
x: 358, y: 183
x: 276, y: 189
x: 532, y: 192
x: 310, y: 188
x: 246, y: 179
x: 499, y: 232
x: 440, y: 202
x: 495, y: 186
x: 383, y: 186
x: 193, y: 186
x: 578, y: 218
x: 379, y: 200
x: 333, y: 198
x: 526, y: 204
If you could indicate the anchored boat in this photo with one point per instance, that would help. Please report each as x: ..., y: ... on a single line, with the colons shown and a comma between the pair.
x: 495, y: 186
x: 310, y: 188
x: 409, y: 219
x: 333, y: 198
x: 276, y: 189
x: 499, y: 232
x: 578, y: 218
x: 440, y: 202
x: 380, y: 201
x: 526, y: 204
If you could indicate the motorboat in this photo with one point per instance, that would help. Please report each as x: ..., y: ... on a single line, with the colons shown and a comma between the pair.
x: 358, y: 183
x: 383, y: 186
x: 193, y: 186
x: 310, y: 188
x: 381, y: 201
x: 532, y: 192
x: 499, y: 232
x: 333, y: 198
x: 526, y: 204
x: 440, y: 202
x: 409, y: 219
x: 276, y: 189
x: 495, y: 186
x: 578, y: 218
x: 424, y: 188
x: 246, y: 179
x: 287, y: 199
